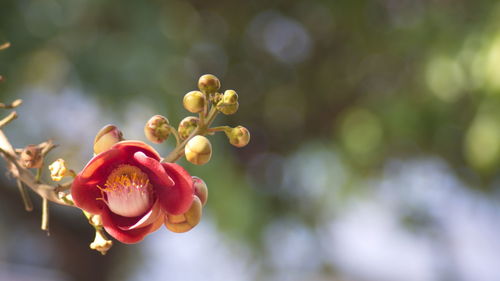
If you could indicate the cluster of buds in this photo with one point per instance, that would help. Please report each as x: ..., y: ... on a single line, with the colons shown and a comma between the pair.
x: 207, y: 102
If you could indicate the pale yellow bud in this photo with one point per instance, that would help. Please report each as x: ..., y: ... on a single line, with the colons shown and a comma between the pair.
x: 198, y: 150
x: 188, y: 220
x: 228, y: 109
x: 31, y: 157
x: 230, y: 97
x: 187, y: 126
x: 58, y: 170
x: 238, y: 136
x: 208, y: 84
x: 101, y: 242
x: 194, y: 101
x: 107, y: 137
x: 157, y: 129
x: 200, y: 190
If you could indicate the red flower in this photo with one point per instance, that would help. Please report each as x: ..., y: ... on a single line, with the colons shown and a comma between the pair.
x: 131, y: 190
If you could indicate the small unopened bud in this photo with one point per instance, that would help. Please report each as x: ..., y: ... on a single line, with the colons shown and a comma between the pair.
x: 208, y: 84
x: 106, y: 137
x: 187, y: 126
x: 194, y: 101
x: 101, y: 242
x: 188, y: 220
x: 200, y: 190
x: 58, y: 170
x: 230, y: 97
x: 228, y: 109
x: 31, y: 157
x: 157, y: 129
x: 238, y: 136
x: 198, y: 150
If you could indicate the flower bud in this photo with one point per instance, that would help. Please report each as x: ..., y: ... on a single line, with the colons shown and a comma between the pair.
x: 200, y: 190
x: 188, y: 220
x: 101, y: 243
x: 238, y: 136
x: 187, y: 126
x: 157, y: 129
x: 194, y: 101
x: 31, y: 157
x: 106, y: 137
x: 198, y: 150
x: 208, y: 84
x: 228, y: 109
x: 58, y: 170
x: 230, y: 97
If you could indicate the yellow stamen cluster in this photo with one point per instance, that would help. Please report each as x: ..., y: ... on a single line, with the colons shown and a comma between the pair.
x: 125, y: 176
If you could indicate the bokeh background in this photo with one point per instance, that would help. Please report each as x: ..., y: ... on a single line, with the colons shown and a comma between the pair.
x: 375, y: 134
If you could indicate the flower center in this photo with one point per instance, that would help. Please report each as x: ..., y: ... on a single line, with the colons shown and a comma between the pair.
x: 128, y: 191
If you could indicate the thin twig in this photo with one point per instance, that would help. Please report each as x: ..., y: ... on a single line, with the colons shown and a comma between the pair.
x: 28, y: 205
x: 8, y: 118
x: 4, y: 46
x: 45, y: 216
x: 14, y: 104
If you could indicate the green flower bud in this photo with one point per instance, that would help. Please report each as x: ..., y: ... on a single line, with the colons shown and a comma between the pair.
x: 238, y: 136
x: 188, y: 220
x: 106, y: 137
x: 194, y: 101
x: 157, y: 129
x: 198, y: 150
x: 208, y: 84
x: 187, y: 126
x: 228, y: 109
x: 230, y: 97
x: 200, y: 189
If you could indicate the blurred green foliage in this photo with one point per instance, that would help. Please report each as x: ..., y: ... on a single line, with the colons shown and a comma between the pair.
x: 368, y: 80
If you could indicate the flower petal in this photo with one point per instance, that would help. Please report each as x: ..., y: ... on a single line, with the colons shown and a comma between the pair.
x: 148, y: 218
x: 155, y: 170
x: 177, y: 199
x: 84, y: 188
x: 131, y: 147
x: 125, y: 236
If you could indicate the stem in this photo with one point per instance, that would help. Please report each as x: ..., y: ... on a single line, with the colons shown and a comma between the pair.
x: 219, y: 129
x: 38, y: 174
x: 176, y: 135
x: 45, y: 215
x: 28, y: 205
x: 202, y: 129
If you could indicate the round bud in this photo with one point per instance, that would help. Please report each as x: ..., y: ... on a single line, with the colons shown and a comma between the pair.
x: 208, y: 84
x: 228, y: 109
x: 198, y: 150
x: 31, y: 157
x: 106, y: 137
x: 239, y: 136
x: 194, y: 101
x: 230, y: 97
x: 157, y: 129
x: 187, y: 126
x: 188, y: 220
x: 200, y: 190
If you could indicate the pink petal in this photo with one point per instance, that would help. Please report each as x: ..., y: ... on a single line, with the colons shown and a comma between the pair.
x: 125, y: 236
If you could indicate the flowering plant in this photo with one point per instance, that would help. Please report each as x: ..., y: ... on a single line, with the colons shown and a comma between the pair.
x: 128, y: 189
